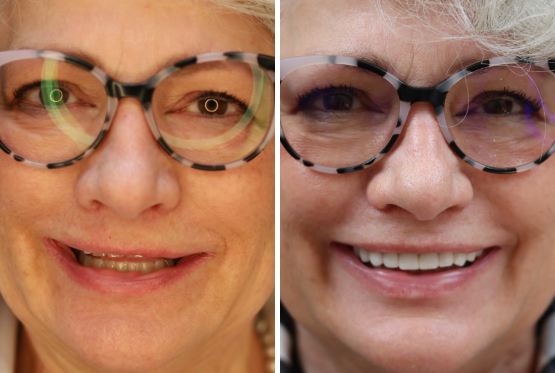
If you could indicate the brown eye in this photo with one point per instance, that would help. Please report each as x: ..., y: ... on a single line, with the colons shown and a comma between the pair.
x: 338, y: 102
x: 212, y: 106
x: 56, y: 96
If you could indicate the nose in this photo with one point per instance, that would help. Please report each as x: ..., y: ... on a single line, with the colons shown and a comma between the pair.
x: 421, y: 175
x: 128, y: 174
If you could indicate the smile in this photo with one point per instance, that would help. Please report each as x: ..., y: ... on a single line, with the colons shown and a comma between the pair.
x: 123, y: 263
x: 417, y: 263
x: 128, y: 271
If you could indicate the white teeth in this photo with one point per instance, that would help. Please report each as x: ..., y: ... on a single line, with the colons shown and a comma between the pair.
x: 364, y: 255
x: 100, y: 261
x: 413, y: 262
x: 445, y: 260
x: 376, y: 259
x: 408, y: 261
x: 391, y: 260
x: 459, y: 259
x: 428, y: 261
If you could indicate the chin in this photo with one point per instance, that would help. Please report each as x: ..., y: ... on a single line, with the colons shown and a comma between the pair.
x: 417, y: 346
x: 124, y: 345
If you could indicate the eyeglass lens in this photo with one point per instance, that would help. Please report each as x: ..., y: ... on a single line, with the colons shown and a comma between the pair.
x: 209, y: 113
x: 341, y: 116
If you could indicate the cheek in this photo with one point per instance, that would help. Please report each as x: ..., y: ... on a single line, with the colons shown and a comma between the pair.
x: 313, y: 203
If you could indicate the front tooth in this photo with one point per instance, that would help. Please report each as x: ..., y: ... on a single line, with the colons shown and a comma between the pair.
x: 147, y: 267
x: 376, y: 259
x: 428, y: 261
x: 364, y: 256
x: 121, y: 266
x: 159, y: 264
x: 98, y: 254
x: 133, y: 267
x: 470, y: 257
x: 135, y: 256
x: 110, y: 264
x: 98, y: 263
x: 391, y: 260
x: 445, y: 259
x: 87, y: 252
x: 459, y: 259
x: 408, y: 261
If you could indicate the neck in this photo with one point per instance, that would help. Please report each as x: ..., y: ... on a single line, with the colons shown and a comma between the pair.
x: 239, y: 353
x: 319, y: 357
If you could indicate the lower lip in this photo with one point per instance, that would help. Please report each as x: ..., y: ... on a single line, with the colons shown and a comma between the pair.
x: 108, y: 281
x: 406, y: 285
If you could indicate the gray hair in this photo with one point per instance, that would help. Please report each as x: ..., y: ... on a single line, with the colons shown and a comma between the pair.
x: 262, y: 10
x: 505, y: 27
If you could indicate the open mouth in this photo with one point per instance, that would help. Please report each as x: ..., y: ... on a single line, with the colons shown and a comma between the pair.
x: 419, y: 263
x: 123, y: 263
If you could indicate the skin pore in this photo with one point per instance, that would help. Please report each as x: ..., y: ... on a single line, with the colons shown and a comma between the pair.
x: 129, y: 193
x: 420, y: 193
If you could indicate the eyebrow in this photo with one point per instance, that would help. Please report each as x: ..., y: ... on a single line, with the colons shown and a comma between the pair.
x: 372, y: 59
x: 96, y: 62
x: 386, y: 64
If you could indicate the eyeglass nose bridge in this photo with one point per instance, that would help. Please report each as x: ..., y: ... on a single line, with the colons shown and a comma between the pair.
x: 414, y: 94
x: 142, y: 91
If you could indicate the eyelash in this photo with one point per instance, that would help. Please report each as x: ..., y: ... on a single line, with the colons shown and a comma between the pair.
x: 304, y: 98
x: 20, y: 93
x: 520, y: 96
x: 224, y: 95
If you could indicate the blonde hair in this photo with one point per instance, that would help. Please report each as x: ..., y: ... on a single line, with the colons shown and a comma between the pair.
x: 262, y: 10
x: 505, y: 27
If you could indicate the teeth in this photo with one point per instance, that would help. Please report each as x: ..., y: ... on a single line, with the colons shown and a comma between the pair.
x: 391, y: 260
x: 413, y: 262
x: 376, y: 259
x: 115, y: 256
x: 96, y: 260
x: 445, y: 260
x: 408, y: 261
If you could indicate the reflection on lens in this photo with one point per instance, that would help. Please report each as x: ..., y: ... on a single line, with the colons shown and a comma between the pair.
x: 51, y: 111
x: 503, y: 116
x: 336, y: 115
x: 215, y: 112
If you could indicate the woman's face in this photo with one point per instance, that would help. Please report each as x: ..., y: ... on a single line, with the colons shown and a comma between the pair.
x: 419, y: 198
x: 130, y: 197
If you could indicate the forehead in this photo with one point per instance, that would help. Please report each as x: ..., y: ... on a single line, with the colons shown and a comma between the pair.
x: 421, y: 53
x: 133, y: 39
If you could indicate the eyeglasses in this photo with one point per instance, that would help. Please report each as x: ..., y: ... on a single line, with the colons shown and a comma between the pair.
x: 211, y: 112
x: 340, y: 114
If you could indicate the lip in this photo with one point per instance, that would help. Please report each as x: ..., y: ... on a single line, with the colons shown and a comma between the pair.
x: 108, y: 281
x: 405, y: 285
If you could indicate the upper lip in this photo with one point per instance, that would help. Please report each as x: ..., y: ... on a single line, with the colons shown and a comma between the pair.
x: 144, y: 250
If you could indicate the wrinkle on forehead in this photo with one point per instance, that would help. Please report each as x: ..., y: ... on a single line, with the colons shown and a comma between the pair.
x: 411, y: 48
x: 8, y: 13
x: 132, y: 40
